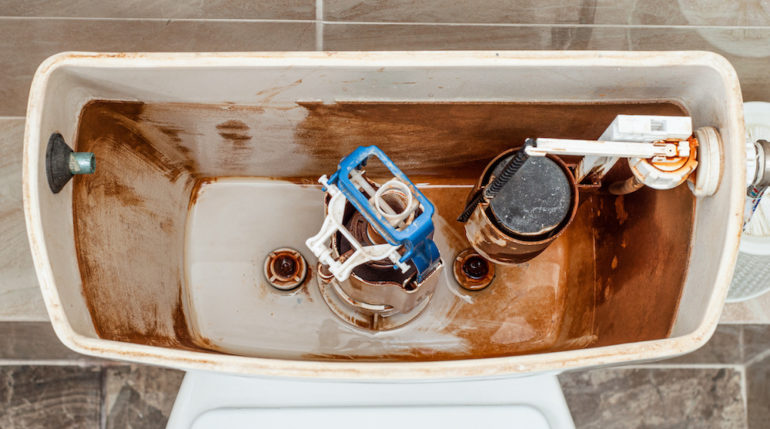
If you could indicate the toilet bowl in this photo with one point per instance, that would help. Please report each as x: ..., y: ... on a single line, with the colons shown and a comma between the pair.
x: 207, y: 163
x: 210, y: 400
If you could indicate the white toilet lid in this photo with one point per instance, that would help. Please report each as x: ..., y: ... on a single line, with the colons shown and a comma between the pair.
x: 444, y: 417
x: 208, y: 400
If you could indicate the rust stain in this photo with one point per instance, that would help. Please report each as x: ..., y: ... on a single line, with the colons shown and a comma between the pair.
x: 196, y: 188
x: 235, y: 131
x: 588, y: 288
x: 652, y: 251
x: 455, y: 139
x: 620, y: 210
x: 130, y: 285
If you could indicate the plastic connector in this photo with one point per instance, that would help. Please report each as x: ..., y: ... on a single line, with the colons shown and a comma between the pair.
x: 407, y: 230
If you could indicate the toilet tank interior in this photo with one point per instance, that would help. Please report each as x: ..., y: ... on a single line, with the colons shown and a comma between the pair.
x: 201, y: 171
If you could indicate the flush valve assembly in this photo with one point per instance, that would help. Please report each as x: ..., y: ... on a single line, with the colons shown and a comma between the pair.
x: 378, y: 265
x: 527, y: 196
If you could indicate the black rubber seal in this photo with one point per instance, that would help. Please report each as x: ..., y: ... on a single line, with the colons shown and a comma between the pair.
x: 57, y: 158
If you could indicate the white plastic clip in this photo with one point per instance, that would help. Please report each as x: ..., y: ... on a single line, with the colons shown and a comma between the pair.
x: 320, y: 244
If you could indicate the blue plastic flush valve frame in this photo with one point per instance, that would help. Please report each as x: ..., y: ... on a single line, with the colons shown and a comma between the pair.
x: 421, y: 251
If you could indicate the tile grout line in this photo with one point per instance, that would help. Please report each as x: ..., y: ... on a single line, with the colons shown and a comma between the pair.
x: 319, y: 25
x: 759, y: 357
x: 550, y: 25
x: 54, y: 362
x: 744, y: 394
x: 448, y: 24
x: 155, y: 19
x: 103, y: 399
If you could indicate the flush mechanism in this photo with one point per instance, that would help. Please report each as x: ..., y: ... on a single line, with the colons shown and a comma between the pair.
x: 378, y: 265
x: 526, y: 197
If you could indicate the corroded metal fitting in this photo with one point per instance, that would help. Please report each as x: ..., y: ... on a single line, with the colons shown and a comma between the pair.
x: 472, y: 271
x: 285, y: 269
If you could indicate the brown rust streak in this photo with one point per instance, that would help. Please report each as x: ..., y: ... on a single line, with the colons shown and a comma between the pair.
x: 129, y: 217
x: 647, y: 234
x: 129, y: 226
x: 450, y: 139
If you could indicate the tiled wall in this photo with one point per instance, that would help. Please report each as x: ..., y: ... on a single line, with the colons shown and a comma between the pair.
x: 34, y: 29
x: 732, y: 370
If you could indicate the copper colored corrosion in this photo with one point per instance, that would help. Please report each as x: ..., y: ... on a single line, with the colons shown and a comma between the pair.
x: 472, y: 271
x: 140, y: 190
x: 614, y: 275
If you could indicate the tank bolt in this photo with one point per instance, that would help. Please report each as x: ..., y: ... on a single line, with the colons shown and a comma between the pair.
x: 285, y: 269
x: 82, y: 163
x: 473, y: 271
x: 61, y: 162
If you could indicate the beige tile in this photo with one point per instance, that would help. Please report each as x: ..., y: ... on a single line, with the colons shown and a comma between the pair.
x: 755, y: 310
x: 210, y: 9
x: 605, y: 12
x: 20, y: 297
x: 380, y: 37
x: 746, y: 49
x: 26, y: 43
x: 492, y: 11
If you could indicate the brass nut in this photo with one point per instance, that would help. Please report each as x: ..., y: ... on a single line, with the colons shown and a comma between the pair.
x: 472, y: 271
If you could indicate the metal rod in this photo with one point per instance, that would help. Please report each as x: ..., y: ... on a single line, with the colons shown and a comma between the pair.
x: 616, y: 149
x: 82, y: 163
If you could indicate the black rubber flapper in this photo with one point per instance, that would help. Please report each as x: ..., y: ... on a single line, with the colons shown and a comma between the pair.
x: 535, y: 201
x: 57, y: 158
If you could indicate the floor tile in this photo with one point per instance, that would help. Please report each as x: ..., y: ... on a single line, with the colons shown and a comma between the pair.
x: 756, y: 341
x: 36, y: 341
x: 24, y: 44
x: 755, y: 310
x: 140, y: 396
x: 20, y: 297
x: 210, y: 9
x: 724, y: 347
x: 655, y: 398
x: 758, y: 389
x: 50, y: 397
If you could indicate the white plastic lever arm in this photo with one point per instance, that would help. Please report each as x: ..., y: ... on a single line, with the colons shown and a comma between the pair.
x: 615, y: 149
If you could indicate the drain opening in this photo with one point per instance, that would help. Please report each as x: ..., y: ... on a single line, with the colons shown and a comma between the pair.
x: 472, y: 271
x: 285, y: 269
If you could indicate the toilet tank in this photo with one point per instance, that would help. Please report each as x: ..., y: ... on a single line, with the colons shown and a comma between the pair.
x: 207, y: 161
